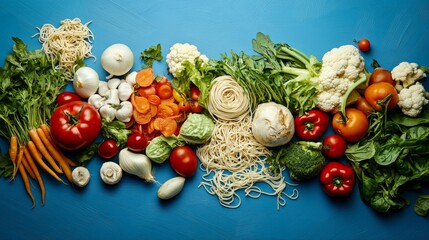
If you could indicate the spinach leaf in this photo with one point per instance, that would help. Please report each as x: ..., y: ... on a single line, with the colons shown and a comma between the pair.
x: 421, y: 206
x: 407, y: 121
x: 360, y: 151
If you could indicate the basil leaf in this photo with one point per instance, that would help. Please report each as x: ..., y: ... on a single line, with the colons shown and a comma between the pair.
x: 421, y: 206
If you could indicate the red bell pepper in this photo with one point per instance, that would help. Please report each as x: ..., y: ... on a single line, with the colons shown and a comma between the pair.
x: 311, y: 125
x: 337, y: 179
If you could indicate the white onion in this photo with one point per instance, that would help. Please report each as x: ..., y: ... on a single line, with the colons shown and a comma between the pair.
x: 117, y: 59
x: 85, y: 82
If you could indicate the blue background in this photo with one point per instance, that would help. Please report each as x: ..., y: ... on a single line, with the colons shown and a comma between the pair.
x: 398, y: 31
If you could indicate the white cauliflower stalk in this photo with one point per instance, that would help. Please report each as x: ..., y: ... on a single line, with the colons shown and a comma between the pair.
x: 180, y: 53
x: 412, y: 99
x: 341, y: 68
x: 406, y: 74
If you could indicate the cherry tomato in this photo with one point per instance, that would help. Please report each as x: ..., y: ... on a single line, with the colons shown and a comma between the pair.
x: 195, y: 93
x: 146, y: 91
x: 354, y: 128
x: 364, y: 45
x: 108, y: 149
x: 164, y: 91
x: 381, y: 75
x: 196, y: 107
x: 334, y: 146
x: 363, y: 105
x: 66, y: 97
x: 137, y: 142
x: 184, y: 106
x: 184, y: 161
x: 75, y: 125
x: 376, y: 92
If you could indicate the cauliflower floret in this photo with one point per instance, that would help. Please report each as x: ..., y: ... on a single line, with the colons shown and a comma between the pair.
x: 181, y: 52
x: 341, y: 68
x: 406, y: 74
x: 345, y: 60
x: 412, y: 99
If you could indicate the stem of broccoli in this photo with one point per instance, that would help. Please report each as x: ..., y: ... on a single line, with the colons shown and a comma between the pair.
x: 318, y: 146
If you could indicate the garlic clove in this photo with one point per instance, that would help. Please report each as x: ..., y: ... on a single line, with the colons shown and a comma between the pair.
x: 113, y: 83
x: 110, y: 173
x: 171, y: 188
x: 81, y: 176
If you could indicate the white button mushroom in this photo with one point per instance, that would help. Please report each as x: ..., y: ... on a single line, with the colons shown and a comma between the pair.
x: 110, y: 173
x: 81, y: 176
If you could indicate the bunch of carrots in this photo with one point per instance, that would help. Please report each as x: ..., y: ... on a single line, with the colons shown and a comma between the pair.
x: 41, y: 152
x: 155, y: 109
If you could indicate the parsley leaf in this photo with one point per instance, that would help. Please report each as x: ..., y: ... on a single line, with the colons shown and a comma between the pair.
x: 150, y: 55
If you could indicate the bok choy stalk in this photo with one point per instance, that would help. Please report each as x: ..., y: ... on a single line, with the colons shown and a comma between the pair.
x: 279, y: 73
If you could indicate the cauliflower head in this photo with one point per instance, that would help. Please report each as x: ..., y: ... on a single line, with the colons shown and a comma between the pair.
x: 406, y: 74
x: 412, y: 99
x: 180, y: 53
x: 341, y: 67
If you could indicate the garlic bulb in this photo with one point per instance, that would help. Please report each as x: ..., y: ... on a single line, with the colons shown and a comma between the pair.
x: 125, y: 111
x: 136, y: 164
x: 81, y: 176
x: 273, y: 124
x: 117, y: 59
x: 96, y: 100
x: 85, y: 82
x: 110, y: 173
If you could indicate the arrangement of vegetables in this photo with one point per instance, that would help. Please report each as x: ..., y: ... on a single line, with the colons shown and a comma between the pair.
x: 380, y: 119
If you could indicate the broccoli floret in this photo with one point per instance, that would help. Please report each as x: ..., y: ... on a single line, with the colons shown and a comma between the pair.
x: 303, y: 159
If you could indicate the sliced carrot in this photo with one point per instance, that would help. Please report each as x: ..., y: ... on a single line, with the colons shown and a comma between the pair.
x: 150, y: 128
x: 140, y: 104
x: 141, y: 118
x: 171, y: 100
x: 173, y: 107
x: 145, y: 77
x: 156, y: 124
x: 167, y: 126
x: 164, y: 111
x: 154, y: 99
x: 153, y: 110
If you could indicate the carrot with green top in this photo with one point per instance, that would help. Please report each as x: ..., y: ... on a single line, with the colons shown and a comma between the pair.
x: 39, y: 144
x: 35, y: 155
x: 29, y: 160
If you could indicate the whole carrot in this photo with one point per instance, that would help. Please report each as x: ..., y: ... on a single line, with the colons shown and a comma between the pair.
x: 13, y: 152
x: 41, y: 147
x: 18, y: 159
x: 55, y: 154
x: 29, y: 160
x: 26, y: 181
x: 35, y: 155
x: 47, y: 132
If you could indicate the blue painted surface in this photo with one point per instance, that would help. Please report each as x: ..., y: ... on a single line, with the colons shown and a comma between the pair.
x: 398, y: 32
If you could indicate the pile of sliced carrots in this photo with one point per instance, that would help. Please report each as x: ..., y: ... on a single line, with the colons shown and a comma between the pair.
x: 155, y: 109
x: 39, y: 153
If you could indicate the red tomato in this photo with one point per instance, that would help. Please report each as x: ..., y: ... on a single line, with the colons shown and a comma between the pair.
x: 195, y: 93
x: 164, y: 91
x: 66, y: 97
x: 376, y: 92
x: 196, y: 107
x: 108, y: 149
x: 184, y: 161
x: 334, y: 146
x: 363, y: 105
x: 354, y: 128
x: 146, y: 91
x: 184, y: 106
x: 137, y: 142
x: 75, y: 125
x: 364, y: 45
x: 381, y: 75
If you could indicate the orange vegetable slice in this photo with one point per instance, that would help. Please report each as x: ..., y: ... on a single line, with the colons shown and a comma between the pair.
x: 154, y: 99
x: 145, y: 77
x: 164, y: 111
x: 167, y: 126
x: 140, y: 103
x: 141, y: 118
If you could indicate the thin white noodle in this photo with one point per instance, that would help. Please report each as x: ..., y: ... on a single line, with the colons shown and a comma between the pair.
x: 227, y: 99
x: 69, y: 42
x: 234, y: 160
